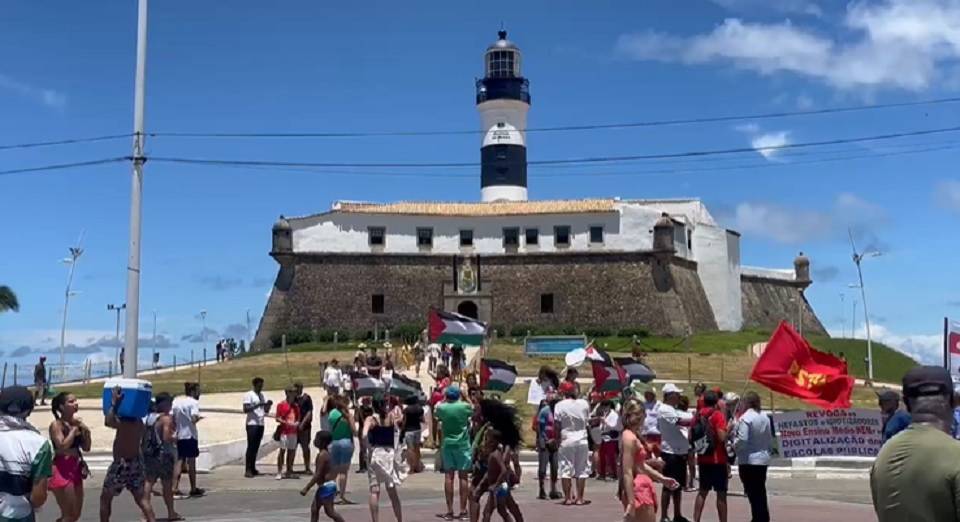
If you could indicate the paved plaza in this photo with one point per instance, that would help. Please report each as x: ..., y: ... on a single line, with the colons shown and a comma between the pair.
x: 231, y: 498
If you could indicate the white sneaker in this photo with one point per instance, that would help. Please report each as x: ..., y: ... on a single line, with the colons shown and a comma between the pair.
x: 279, y: 476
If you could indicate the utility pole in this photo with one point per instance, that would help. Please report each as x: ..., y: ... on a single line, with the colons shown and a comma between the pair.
x: 853, y: 327
x: 203, y: 329
x: 843, y: 323
x: 116, y: 308
x: 136, y: 193
x: 75, y: 253
x: 857, y: 259
x: 154, y: 356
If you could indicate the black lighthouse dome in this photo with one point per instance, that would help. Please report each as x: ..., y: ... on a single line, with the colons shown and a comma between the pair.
x: 502, y: 78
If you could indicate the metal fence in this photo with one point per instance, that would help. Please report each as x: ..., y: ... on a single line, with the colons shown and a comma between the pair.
x: 22, y: 374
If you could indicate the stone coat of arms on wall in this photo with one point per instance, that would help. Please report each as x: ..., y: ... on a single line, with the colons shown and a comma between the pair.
x: 467, y: 278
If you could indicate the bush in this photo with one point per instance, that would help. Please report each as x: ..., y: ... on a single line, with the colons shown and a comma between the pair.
x: 408, y: 333
x: 298, y: 336
x: 521, y: 330
x: 327, y: 336
x: 597, y: 331
x: 630, y: 332
x: 571, y: 330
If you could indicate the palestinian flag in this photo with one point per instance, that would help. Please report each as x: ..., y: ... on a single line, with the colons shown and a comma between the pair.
x: 635, y: 370
x: 497, y: 375
x: 607, y: 375
x: 403, y: 387
x: 366, y: 386
x: 448, y: 327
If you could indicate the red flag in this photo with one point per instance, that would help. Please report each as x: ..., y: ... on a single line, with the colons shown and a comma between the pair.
x: 792, y: 367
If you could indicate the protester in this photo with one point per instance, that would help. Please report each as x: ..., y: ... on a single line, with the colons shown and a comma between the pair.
x: 347, y: 384
x: 493, y: 474
x: 433, y: 355
x: 288, y: 426
x: 548, y: 443
x: 753, y: 439
x: 572, y: 416
x: 571, y: 377
x: 651, y: 431
x: 456, y: 361
x: 40, y: 381
x: 638, y: 495
x: 497, y: 416
x: 160, y: 452
x: 915, y: 476
x: 383, y: 469
x: 364, y: 409
x: 69, y: 436
x: 126, y: 471
x: 674, y: 448
x: 683, y: 405
x: 418, y: 356
x: 412, y: 424
x: 342, y: 432
x: 186, y: 415
x: 710, y: 432
x: 548, y: 380
x: 257, y: 408
x: 895, y: 420
x: 386, y: 375
x: 453, y: 416
x: 25, y: 457
x: 374, y: 363
x: 333, y: 378
x: 325, y: 476
x: 305, y: 426
x: 610, y: 428
x: 956, y: 415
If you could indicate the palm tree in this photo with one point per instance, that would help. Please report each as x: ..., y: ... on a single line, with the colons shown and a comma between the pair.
x: 8, y: 300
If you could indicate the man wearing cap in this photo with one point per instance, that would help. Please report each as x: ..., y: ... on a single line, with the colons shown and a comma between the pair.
x: 454, y: 418
x: 572, y: 416
x: 674, y: 447
x: 895, y: 420
x: 40, y: 381
x: 915, y: 476
x: 26, y: 457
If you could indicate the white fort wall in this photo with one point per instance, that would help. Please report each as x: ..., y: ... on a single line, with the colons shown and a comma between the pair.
x: 627, y: 229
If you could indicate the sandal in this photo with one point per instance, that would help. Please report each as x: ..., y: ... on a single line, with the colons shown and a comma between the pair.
x: 582, y: 502
x: 446, y: 516
x: 463, y: 515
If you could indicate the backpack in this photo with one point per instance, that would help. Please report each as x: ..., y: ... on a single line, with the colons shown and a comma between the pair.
x: 150, y: 444
x: 702, y: 436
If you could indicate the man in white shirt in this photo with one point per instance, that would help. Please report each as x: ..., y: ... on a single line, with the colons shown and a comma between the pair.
x: 333, y: 378
x: 186, y: 414
x: 256, y: 407
x: 674, y: 446
x: 651, y: 432
x: 572, y: 417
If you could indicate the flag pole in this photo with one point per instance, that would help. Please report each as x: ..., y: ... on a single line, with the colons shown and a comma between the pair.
x: 946, y: 345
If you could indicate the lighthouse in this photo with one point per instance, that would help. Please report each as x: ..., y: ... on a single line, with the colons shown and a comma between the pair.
x: 503, y: 99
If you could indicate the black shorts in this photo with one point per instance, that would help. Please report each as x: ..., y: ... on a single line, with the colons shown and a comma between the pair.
x: 675, y: 467
x: 713, y: 476
x: 188, y: 449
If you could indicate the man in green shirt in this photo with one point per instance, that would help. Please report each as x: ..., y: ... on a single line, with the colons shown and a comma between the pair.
x: 916, y: 476
x: 454, y: 416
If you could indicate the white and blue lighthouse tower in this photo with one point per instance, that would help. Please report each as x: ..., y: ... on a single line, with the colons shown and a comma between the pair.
x: 503, y: 99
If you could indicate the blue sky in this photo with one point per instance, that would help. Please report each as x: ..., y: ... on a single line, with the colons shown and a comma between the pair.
x: 67, y: 71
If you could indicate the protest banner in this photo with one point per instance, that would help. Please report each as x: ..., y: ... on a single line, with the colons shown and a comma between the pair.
x: 829, y: 433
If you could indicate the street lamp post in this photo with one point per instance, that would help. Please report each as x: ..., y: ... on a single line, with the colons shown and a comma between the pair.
x: 203, y: 331
x: 857, y: 259
x: 118, y: 309
x: 853, y: 325
x: 843, y: 323
x: 153, y: 360
x: 75, y: 253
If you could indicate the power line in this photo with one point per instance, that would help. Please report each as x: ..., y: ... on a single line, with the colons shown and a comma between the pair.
x: 62, y: 166
x: 570, y: 161
x: 562, y: 128
x: 70, y: 141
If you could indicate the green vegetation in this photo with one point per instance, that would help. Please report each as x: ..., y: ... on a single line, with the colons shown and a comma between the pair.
x: 8, y: 300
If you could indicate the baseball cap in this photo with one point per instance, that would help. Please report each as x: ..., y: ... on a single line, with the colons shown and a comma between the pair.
x: 670, y: 388
x: 567, y: 388
x: 16, y: 400
x: 888, y: 395
x: 453, y: 393
x: 927, y: 380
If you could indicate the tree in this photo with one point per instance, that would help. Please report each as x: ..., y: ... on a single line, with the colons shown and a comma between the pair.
x: 8, y: 300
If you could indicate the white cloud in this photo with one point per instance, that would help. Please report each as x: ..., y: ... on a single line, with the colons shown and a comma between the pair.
x: 796, y: 226
x: 804, y: 102
x: 769, y: 144
x: 925, y: 348
x: 49, y: 97
x: 948, y: 194
x: 781, y: 6
x: 890, y: 44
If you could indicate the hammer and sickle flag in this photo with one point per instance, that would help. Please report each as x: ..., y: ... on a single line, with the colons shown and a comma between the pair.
x: 791, y: 366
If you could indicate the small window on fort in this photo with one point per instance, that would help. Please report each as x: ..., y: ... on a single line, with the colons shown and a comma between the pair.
x: 511, y: 237
x: 546, y: 303
x: 596, y: 234
x: 561, y: 235
x: 466, y: 238
x: 376, y: 304
x: 532, y: 236
x: 425, y: 237
x: 377, y: 235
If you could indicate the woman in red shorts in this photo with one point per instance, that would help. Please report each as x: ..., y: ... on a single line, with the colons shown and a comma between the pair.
x: 637, y: 492
x: 70, y: 436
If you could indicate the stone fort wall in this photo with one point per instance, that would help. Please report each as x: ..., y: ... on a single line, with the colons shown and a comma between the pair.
x: 614, y: 290
x: 766, y: 302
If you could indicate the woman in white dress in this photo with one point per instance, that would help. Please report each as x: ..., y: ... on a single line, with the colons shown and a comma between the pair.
x: 383, y: 468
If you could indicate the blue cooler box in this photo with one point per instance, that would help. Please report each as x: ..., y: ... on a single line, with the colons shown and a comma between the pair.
x: 136, y: 397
